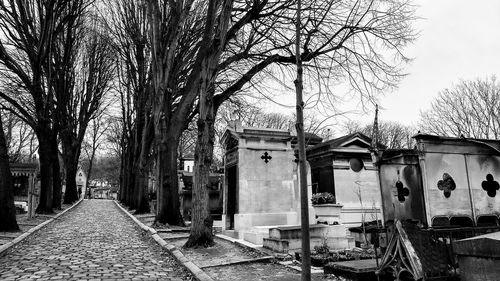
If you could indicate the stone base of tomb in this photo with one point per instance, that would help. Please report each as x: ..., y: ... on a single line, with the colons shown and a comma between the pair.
x: 288, y: 238
x: 353, y: 216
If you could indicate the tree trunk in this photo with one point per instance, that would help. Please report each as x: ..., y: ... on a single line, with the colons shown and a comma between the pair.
x: 56, y: 172
x: 168, y: 186
x: 141, y: 199
x: 56, y: 181
x: 71, y: 194
x: 71, y: 150
x: 147, y: 135
x: 202, y: 223
x: 304, y: 206
x: 129, y: 176
x: 7, y: 209
x: 131, y: 181
x: 123, y: 158
x: 46, y: 174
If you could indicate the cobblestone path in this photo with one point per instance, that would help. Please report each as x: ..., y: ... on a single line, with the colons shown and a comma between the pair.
x: 94, y: 241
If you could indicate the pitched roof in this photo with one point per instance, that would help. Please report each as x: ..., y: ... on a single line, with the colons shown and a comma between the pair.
x: 353, y: 143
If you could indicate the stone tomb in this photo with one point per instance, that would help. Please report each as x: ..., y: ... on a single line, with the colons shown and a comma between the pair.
x: 260, y: 186
x: 343, y: 167
x: 262, y: 194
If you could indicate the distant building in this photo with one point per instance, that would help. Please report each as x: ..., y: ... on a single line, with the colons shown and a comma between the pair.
x: 186, y: 177
x: 100, y: 189
x: 25, y: 192
x: 81, y: 182
x: 187, y: 163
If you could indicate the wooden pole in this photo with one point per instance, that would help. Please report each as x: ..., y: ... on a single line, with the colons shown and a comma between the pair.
x: 304, y: 206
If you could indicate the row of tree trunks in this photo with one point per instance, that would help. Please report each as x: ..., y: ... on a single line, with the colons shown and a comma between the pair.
x: 168, y: 187
x: 7, y: 209
x: 141, y: 185
x: 129, y: 176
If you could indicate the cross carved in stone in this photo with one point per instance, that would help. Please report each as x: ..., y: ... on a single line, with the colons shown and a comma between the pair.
x: 490, y: 185
x: 266, y: 157
x: 403, y: 192
x: 447, y: 185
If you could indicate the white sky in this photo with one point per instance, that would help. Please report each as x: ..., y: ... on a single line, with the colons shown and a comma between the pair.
x: 459, y: 39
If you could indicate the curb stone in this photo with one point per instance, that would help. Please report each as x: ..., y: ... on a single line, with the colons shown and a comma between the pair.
x: 34, y: 229
x: 197, y: 272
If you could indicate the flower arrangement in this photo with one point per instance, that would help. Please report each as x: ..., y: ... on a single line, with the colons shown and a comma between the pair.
x: 322, y: 198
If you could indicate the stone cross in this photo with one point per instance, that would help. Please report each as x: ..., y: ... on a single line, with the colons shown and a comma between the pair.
x: 490, y: 185
x: 447, y: 185
x: 266, y: 157
x: 402, y: 191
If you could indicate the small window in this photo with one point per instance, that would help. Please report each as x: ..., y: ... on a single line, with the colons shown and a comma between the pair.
x: 487, y: 220
x: 461, y: 221
x: 80, y: 175
x: 440, y: 221
x: 356, y: 164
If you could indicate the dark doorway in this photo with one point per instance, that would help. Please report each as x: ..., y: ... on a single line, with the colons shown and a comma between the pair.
x: 232, y: 196
x: 322, y: 180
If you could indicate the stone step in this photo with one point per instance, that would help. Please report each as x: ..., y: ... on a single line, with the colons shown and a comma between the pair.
x: 286, y: 245
x: 173, y: 235
x: 141, y: 216
x: 6, y: 236
x: 147, y: 219
x: 27, y: 224
x: 4, y: 241
x: 255, y: 237
x: 315, y: 231
x: 231, y: 233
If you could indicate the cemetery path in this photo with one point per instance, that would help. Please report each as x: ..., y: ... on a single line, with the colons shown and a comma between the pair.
x: 94, y: 241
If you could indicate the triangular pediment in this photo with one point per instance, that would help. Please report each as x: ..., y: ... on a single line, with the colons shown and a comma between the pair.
x: 356, y: 142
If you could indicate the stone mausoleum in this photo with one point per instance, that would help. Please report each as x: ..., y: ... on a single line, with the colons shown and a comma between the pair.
x: 260, y: 186
x: 343, y: 167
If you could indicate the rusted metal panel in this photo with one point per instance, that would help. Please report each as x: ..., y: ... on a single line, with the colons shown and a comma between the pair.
x: 447, y: 185
x: 484, y: 172
x: 402, y: 192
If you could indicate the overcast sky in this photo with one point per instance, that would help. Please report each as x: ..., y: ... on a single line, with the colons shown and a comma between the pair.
x: 459, y: 39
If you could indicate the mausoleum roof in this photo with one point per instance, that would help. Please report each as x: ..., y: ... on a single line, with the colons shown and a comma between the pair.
x: 352, y: 143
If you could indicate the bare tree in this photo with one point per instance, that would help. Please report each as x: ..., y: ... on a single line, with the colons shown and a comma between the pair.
x: 94, y: 141
x: 175, y: 31
x: 393, y: 135
x: 7, y: 209
x: 84, y: 99
x: 299, y: 125
x: 469, y: 109
x: 130, y: 29
x: 112, y: 136
x: 30, y: 35
x: 20, y: 138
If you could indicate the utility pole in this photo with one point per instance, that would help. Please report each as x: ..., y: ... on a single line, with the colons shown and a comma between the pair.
x: 304, y: 206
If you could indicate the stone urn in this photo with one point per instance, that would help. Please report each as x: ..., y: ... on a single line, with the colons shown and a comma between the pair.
x: 328, y: 213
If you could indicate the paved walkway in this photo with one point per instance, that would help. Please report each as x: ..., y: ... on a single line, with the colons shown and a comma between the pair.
x: 94, y: 241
